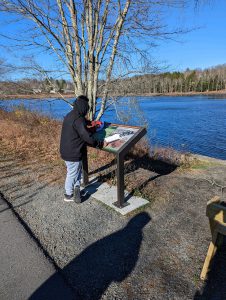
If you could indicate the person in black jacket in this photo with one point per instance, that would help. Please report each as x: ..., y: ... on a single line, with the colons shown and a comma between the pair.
x: 74, y: 137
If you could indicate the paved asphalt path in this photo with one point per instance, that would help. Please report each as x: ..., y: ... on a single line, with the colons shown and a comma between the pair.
x: 23, y: 267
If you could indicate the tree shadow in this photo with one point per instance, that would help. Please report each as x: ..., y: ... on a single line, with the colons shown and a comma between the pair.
x: 214, y: 287
x: 102, y: 168
x: 108, y: 260
x: 30, y: 198
x: 19, y: 205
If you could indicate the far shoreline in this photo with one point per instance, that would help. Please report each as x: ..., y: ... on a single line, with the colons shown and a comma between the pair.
x: 72, y: 96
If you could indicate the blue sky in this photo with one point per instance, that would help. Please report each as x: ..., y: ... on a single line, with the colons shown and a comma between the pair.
x: 203, y: 47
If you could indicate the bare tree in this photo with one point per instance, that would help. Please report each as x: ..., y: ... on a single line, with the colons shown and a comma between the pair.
x: 5, y: 69
x: 90, y: 37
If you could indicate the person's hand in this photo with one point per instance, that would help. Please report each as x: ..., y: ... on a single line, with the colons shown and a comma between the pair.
x: 100, y: 144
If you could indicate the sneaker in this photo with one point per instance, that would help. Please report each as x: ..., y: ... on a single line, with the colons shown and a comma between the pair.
x: 77, y: 196
x: 68, y: 198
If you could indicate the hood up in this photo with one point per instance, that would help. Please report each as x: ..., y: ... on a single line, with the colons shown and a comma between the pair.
x: 81, y: 106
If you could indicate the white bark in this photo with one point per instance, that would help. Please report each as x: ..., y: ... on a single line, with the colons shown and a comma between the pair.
x: 88, y: 36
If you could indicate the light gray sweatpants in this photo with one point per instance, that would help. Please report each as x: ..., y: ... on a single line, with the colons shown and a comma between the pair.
x: 73, y: 178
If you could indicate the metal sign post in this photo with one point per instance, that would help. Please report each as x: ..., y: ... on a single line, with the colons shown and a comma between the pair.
x: 85, y: 174
x: 120, y: 153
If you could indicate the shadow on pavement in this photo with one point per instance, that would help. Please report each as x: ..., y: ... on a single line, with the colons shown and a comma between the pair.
x: 108, y: 260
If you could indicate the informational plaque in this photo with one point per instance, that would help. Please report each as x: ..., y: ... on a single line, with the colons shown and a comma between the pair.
x: 119, y: 139
x: 117, y: 135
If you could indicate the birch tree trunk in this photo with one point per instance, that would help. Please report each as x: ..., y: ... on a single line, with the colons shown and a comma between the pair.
x: 89, y: 36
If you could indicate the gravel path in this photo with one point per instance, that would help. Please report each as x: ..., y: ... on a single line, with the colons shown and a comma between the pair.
x: 154, y: 254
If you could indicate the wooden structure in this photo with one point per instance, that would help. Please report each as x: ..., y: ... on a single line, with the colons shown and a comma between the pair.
x: 216, y: 212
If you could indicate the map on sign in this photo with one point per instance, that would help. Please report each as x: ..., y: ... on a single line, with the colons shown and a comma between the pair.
x: 115, y: 136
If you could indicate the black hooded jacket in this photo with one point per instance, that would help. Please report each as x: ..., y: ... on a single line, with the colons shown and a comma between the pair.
x: 74, y: 134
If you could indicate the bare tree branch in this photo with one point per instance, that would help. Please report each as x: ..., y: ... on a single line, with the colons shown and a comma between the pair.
x: 91, y: 37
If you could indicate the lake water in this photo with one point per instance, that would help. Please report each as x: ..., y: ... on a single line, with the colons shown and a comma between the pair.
x: 193, y: 124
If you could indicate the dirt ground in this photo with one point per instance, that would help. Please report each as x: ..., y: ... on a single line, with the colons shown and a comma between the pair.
x: 154, y: 253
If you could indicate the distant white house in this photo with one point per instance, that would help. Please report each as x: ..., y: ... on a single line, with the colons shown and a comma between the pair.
x: 67, y: 91
x: 37, y: 91
x: 53, y: 91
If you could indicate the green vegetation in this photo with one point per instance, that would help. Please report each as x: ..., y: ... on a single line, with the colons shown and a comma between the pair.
x: 212, y: 79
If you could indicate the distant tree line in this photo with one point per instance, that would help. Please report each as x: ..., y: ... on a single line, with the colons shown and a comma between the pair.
x: 35, y: 86
x: 211, y: 79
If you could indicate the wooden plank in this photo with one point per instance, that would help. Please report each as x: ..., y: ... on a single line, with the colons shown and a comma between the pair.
x: 211, y: 252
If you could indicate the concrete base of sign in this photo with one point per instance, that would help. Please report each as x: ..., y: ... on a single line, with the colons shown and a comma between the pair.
x: 107, y: 194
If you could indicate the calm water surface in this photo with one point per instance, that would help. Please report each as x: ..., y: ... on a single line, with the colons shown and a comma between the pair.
x: 196, y: 124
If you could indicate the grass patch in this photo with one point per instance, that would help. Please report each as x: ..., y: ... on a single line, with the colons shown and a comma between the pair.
x: 197, y: 164
x: 200, y: 166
